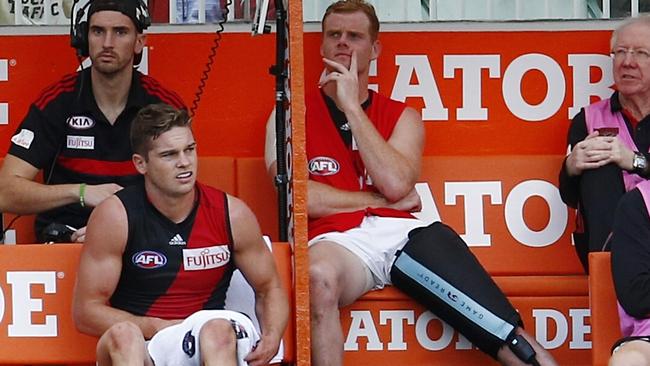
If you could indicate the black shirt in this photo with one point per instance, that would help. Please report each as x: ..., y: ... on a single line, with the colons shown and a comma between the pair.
x: 67, y: 136
x: 631, y: 254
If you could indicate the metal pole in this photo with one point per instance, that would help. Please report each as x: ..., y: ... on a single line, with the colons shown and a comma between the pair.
x: 281, y: 178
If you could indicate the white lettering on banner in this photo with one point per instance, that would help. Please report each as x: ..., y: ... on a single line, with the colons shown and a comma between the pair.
x: 578, y: 327
x: 473, y: 194
x: 471, y: 66
x: 511, y: 88
x: 426, y: 88
x: 2, y: 304
x: 23, y: 304
x: 4, y: 107
x: 422, y: 335
x: 429, y: 212
x: 515, y: 213
x: 582, y: 65
x: 372, y: 71
x: 463, y: 343
x: 402, y: 321
x: 362, y: 325
x: 396, y: 318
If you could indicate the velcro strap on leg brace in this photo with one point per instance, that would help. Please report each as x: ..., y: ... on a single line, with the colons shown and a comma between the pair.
x: 437, y: 269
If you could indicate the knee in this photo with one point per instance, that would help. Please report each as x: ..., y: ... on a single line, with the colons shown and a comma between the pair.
x: 628, y: 358
x: 323, y: 286
x: 218, y: 334
x: 121, y: 337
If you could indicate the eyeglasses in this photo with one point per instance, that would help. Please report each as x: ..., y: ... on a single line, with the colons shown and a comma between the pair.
x: 639, y: 55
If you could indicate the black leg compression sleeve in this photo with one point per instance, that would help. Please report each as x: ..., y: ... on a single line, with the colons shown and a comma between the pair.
x: 437, y: 269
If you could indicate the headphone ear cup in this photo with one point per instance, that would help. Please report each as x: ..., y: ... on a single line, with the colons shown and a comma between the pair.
x: 81, y: 39
x: 79, y: 30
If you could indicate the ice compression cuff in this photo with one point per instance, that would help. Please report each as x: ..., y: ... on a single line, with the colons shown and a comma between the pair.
x: 437, y: 269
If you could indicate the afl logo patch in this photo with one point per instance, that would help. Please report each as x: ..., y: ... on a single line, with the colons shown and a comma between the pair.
x: 80, y: 122
x: 148, y: 259
x: 322, y: 165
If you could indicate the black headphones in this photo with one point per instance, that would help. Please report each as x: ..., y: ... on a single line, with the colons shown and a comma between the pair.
x: 79, y: 25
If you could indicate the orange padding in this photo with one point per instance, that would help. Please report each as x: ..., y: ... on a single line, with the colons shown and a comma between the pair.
x: 387, y: 327
x: 282, y: 255
x: 245, y: 178
x: 36, y: 286
x: 506, y: 255
x: 605, y: 327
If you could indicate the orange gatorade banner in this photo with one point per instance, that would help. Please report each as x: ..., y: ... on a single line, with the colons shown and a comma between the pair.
x: 497, y: 94
x: 399, y: 332
x: 496, y: 107
x: 36, y: 284
x: 507, y: 208
x: 489, y: 92
x: 236, y: 100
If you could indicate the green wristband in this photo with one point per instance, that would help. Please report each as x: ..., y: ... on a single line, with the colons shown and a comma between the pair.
x: 82, y: 191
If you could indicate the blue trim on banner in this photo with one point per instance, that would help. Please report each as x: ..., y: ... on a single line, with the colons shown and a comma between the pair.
x: 454, y: 297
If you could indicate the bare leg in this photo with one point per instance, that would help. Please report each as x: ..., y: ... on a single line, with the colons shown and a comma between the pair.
x: 633, y: 353
x: 543, y: 357
x: 121, y: 345
x: 218, y: 343
x: 337, y: 278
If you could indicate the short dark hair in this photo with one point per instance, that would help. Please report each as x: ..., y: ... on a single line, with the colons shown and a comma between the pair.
x: 152, y: 121
x: 351, y: 6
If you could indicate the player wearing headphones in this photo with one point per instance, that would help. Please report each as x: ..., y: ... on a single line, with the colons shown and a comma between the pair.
x: 77, y: 130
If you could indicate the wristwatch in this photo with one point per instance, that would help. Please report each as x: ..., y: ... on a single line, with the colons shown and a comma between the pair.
x: 639, y: 163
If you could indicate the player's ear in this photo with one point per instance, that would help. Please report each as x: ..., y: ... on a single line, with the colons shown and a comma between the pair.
x: 140, y: 163
x: 140, y: 42
x: 376, y: 49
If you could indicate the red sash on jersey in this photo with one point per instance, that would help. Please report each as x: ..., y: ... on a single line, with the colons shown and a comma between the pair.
x: 331, y: 162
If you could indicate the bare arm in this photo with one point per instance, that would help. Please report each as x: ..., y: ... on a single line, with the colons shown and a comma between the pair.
x: 20, y: 194
x: 258, y: 267
x: 393, y: 165
x: 270, y: 157
x: 99, y: 272
x: 325, y: 200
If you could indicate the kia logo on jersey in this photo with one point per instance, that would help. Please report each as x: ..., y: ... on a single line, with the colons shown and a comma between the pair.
x: 148, y: 259
x: 322, y: 165
x: 80, y: 122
